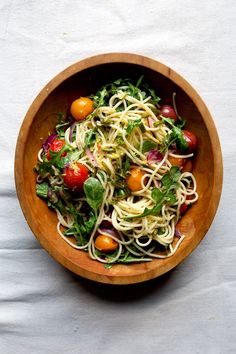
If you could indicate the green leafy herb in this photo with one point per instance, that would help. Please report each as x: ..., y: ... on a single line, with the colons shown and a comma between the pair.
x: 148, y: 145
x: 133, y: 124
x: 128, y: 86
x: 108, y: 265
x: 119, y: 139
x: 164, y: 195
x: 126, y: 165
x: 174, y: 136
x: 42, y: 189
x: 94, y: 192
x: 60, y: 127
x: 90, y: 138
x: 82, y: 228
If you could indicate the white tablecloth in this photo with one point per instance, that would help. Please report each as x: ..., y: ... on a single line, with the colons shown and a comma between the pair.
x: 45, y: 308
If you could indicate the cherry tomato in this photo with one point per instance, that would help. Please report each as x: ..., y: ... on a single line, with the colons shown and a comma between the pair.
x: 176, y: 161
x: 168, y: 112
x: 81, y: 108
x: 188, y: 166
x: 75, y: 175
x: 183, y: 208
x: 105, y: 243
x: 134, y: 179
x: 56, y: 146
x: 191, y: 140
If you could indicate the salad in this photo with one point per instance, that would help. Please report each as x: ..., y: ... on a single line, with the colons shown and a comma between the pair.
x: 117, y: 170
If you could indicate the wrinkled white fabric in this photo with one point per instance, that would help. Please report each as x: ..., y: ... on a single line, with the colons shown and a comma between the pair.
x: 45, y: 308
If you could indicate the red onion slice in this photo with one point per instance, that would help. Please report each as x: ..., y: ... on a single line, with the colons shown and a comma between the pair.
x: 108, y: 231
x: 46, y: 145
x: 91, y: 157
x: 154, y: 156
x: 72, y: 128
x: 178, y: 233
x: 150, y: 122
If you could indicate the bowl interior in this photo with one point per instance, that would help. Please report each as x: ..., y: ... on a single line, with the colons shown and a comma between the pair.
x: 41, y: 119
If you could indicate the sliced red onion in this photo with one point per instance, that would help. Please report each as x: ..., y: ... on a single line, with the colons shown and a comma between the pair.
x: 49, y: 194
x: 46, y: 145
x: 108, y: 231
x: 72, y: 128
x: 39, y: 179
x: 150, y: 122
x: 91, y: 157
x: 52, y: 196
x: 62, y: 193
x: 154, y: 156
x: 173, y: 148
x: 157, y: 183
x: 178, y: 233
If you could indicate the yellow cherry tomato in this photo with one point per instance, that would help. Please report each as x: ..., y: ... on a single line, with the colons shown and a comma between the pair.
x: 176, y: 161
x: 105, y: 243
x: 81, y: 108
x: 134, y: 180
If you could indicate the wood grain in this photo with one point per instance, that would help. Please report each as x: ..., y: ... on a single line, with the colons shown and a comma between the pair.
x: 84, y: 78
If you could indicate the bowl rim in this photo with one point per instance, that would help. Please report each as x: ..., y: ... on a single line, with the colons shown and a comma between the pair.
x: 126, y: 58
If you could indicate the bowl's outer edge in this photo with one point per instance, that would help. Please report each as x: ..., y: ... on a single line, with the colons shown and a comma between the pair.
x: 70, y: 71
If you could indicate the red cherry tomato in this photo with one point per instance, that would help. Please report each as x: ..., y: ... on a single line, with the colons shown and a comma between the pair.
x: 168, y: 112
x: 183, y: 208
x: 56, y: 146
x: 191, y: 140
x: 75, y: 175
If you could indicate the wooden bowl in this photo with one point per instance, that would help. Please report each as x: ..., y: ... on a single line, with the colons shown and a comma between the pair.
x: 84, y: 78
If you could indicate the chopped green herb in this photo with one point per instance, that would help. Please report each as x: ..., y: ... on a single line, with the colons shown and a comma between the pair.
x: 132, y: 124
x: 148, y: 145
x: 42, y: 189
x: 90, y: 138
x: 174, y: 136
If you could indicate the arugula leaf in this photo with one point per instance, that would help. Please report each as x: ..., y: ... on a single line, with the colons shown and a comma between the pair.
x: 108, y: 265
x: 128, y: 86
x: 94, y: 192
x: 148, y: 145
x: 42, y: 189
x: 180, y: 141
x: 73, y: 156
x: 174, y: 136
x: 169, y: 180
x: 175, y: 173
x: 90, y: 223
x: 44, y: 168
x: 157, y: 195
x: 61, y: 125
x: 133, y: 124
x: 126, y: 165
x: 57, y: 159
x: 82, y: 228
x: 90, y: 138
x: 166, y: 195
